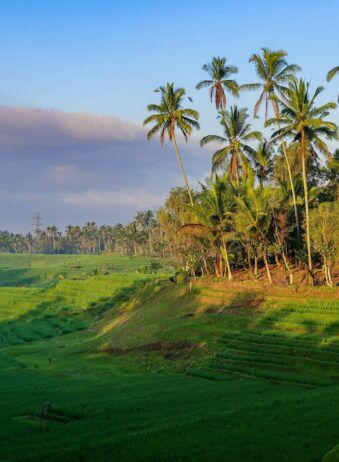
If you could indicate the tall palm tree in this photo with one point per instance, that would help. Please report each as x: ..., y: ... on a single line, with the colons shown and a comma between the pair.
x: 219, y: 81
x: 332, y: 73
x: 274, y: 72
x: 237, y: 134
x: 303, y: 122
x: 169, y: 116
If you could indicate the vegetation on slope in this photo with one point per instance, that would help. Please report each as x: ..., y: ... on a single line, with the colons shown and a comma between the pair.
x: 143, y: 367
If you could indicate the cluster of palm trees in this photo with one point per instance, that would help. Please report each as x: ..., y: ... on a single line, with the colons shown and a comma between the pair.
x: 244, y: 201
x: 140, y: 237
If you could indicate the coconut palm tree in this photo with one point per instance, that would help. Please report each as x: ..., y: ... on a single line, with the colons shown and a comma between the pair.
x: 304, y: 122
x: 263, y: 164
x: 219, y: 81
x: 253, y: 218
x: 237, y: 134
x: 332, y: 73
x: 274, y: 72
x: 171, y: 116
x: 213, y: 214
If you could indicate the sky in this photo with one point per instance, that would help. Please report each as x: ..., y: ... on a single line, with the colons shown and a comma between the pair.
x: 76, y: 77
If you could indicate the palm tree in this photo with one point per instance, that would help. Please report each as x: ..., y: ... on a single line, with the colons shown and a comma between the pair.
x: 253, y: 218
x: 262, y: 159
x: 332, y: 73
x: 169, y: 116
x: 237, y: 133
x: 303, y: 122
x: 274, y: 72
x: 213, y: 213
x: 219, y: 81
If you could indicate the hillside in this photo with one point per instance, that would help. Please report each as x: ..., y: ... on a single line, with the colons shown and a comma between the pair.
x: 139, y: 367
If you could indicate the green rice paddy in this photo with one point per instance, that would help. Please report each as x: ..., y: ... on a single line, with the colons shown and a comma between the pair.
x: 138, y: 368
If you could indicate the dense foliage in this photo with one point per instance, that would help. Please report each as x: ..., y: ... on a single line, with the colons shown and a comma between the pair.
x: 260, y: 204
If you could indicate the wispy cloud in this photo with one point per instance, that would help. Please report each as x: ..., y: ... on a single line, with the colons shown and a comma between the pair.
x: 137, y: 198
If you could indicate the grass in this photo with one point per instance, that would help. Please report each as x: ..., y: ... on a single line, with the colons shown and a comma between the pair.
x: 139, y: 368
x: 44, y: 270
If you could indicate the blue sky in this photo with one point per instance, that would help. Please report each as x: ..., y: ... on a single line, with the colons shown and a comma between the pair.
x: 105, y: 58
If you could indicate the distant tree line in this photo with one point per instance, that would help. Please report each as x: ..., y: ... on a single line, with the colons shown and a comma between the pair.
x: 141, y: 237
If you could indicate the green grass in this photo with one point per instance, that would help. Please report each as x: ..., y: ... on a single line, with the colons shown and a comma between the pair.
x: 138, y: 368
x: 43, y: 270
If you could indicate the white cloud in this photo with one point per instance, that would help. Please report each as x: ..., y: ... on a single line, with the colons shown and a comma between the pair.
x: 139, y: 199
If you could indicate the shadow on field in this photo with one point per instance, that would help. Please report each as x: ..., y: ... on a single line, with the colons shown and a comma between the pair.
x: 18, y: 277
x: 57, y: 316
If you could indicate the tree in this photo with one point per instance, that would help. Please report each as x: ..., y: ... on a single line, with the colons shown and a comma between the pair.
x: 330, y: 172
x: 325, y: 233
x: 253, y: 218
x: 213, y: 212
x: 237, y: 134
x: 263, y: 164
x: 303, y: 122
x: 274, y: 72
x: 89, y: 237
x: 169, y: 116
x: 219, y: 81
x: 174, y: 214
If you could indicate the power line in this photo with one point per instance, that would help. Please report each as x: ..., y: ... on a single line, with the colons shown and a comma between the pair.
x: 36, y: 222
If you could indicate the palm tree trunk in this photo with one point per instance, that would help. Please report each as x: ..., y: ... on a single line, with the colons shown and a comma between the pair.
x: 249, y: 260
x: 287, y: 266
x: 329, y: 276
x: 307, y: 221
x: 205, y: 264
x: 327, y: 272
x: 277, y: 114
x: 267, y: 267
x: 292, y: 187
x: 255, y: 266
x: 182, y: 169
x: 230, y: 277
x: 218, y: 264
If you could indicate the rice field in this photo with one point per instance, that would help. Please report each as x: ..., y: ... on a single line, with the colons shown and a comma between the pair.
x: 23, y: 270
x: 139, y: 368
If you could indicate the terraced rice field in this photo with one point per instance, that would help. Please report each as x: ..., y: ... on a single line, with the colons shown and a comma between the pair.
x: 139, y: 368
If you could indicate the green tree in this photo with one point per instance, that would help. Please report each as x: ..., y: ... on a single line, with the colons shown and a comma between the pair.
x: 213, y: 213
x: 169, y: 116
x: 274, y: 72
x: 325, y: 235
x: 304, y: 122
x: 237, y: 134
x: 219, y: 81
x: 253, y: 218
x: 262, y: 160
x: 174, y: 214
